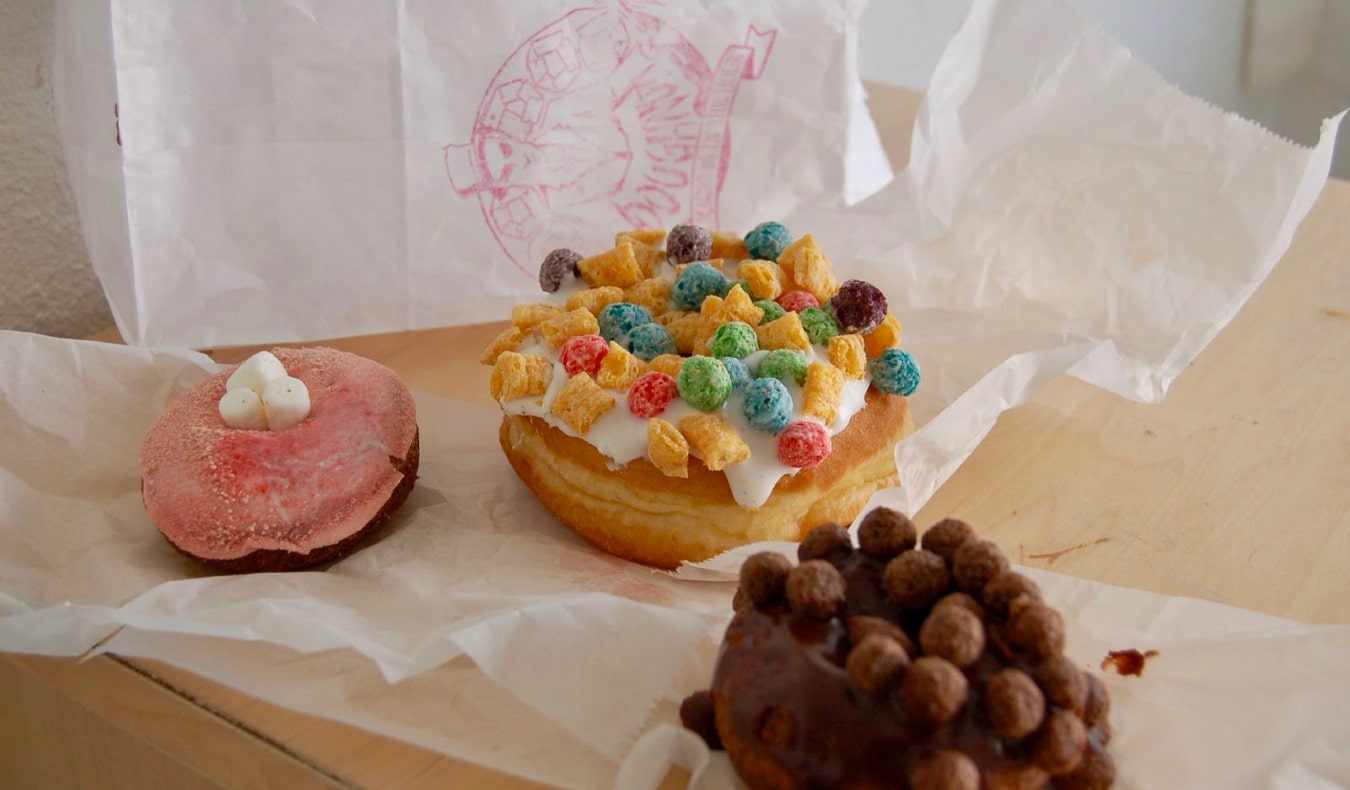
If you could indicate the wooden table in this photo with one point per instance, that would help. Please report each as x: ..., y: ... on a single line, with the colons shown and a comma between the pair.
x: 1235, y: 489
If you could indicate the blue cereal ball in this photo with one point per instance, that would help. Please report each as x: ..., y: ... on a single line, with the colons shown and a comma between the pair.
x: 767, y: 241
x: 772, y: 310
x: 618, y: 319
x: 649, y: 341
x: 820, y: 326
x: 768, y: 404
x: 734, y: 339
x: 785, y: 365
x: 704, y: 383
x: 697, y: 282
x: 739, y: 372
x: 895, y: 372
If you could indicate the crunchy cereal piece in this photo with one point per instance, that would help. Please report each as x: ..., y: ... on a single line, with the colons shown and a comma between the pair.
x: 516, y: 375
x: 712, y: 303
x: 687, y: 331
x: 619, y: 368
x: 809, y: 268
x: 528, y: 316
x: 650, y: 259
x: 509, y: 340
x: 668, y: 364
x: 653, y: 294
x: 595, y: 299
x: 618, y: 267
x: 580, y: 321
x: 785, y: 332
x: 847, y: 352
x: 886, y: 335
x: 704, y: 329
x: 822, y: 391
x: 670, y: 316
x: 765, y: 278
x: 581, y: 402
x: 667, y: 448
x: 714, y: 441
x: 651, y: 236
x: 739, y: 307
x: 729, y: 246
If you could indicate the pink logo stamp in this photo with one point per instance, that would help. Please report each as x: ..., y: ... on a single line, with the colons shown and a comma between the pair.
x: 607, y: 112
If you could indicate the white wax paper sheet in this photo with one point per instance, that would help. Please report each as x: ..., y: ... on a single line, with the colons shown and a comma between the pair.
x: 1066, y: 212
x: 228, y: 166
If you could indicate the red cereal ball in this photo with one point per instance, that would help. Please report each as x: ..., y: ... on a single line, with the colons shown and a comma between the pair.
x: 651, y: 393
x: 803, y: 444
x: 583, y: 354
x: 797, y: 301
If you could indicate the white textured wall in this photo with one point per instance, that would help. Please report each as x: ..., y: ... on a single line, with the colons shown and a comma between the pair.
x: 46, y: 284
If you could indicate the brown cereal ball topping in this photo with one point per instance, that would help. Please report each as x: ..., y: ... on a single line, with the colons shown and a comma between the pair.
x: 1063, y: 683
x: 1058, y: 746
x: 945, y: 770
x: 975, y: 563
x: 963, y: 601
x: 874, y: 663
x: 1096, y: 771
x: 885, y: 533
x: 1036, y: 628
x: 860, y: 626
x: 933, y: 690
x: 1014, y: 703
x: 944, y: 537
x: 696, y: 714
x: 763, y: 577
x: 776, y: 727
x: 826, y: 540
x: 915, y: 580
x: 1098, y: 704
x: 953, y: 633
x: 816, y: 588
x: 1007, y: 587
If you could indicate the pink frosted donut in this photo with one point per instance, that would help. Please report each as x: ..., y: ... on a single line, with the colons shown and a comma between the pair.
x: 246, y: 500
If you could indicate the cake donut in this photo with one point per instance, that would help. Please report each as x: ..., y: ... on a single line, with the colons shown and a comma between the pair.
x: 688, y: 392
x: 889, y: 665
x: 285, y: 461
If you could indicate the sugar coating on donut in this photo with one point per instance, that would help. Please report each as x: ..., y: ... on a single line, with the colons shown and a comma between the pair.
x: 220, y: 493
x: 861, y: 688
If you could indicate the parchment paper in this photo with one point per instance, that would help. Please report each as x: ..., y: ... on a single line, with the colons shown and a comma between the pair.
x: 1065, y: 212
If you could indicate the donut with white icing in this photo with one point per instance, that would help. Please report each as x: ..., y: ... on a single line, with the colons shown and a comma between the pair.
x: 245, y: 500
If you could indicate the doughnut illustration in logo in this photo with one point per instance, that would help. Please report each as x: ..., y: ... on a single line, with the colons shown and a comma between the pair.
x: 607, y: 117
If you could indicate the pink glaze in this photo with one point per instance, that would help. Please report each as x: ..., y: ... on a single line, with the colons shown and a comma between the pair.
x: 220, y: 493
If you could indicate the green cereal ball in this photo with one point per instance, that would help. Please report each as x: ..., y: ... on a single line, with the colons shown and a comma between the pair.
x: 704, y: 383
x: 735, y: 339
x: 772, y: 310
x: 820, y: 326
x: 785, y: 365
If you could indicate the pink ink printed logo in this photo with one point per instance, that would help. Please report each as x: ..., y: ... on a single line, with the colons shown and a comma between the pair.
x: 607, y: 114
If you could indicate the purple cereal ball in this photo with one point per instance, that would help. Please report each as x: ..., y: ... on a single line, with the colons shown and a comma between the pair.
x: 861, y: 626
x: 696, y: 714
x: 688, y: 243
x: 858, y: 307
x: 763, y: 577
x: 953, y: 633
x: 885, y: 533
x: 945, y: 770
x: 874, y: 663
x: 915, y: 580
x: 1007, y: 587
x: 975, y: 563
x: 824, y: 541
x: 1063, y: 683
x: 1014, y: 703
x: 1035, y: 628
x: 816, y: 588
x: 944, y: 537
x: 933, y: 690
x: 1058, y: 746
x: 556, y: 267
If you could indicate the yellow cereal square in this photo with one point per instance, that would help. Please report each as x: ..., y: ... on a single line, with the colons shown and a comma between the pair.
x: 668, y: 364
x: 617, y: 267
x: 667, y: 448
x: 527, y: 316
x: 729, y: 246
x: 703, y: 333
x: 886, y: 335
x: 595, y: 299
x: 619, y: 368
x: 653, y: 294
x: 654, y: 236
x: 670, y: 316
x: 712, y: 303
x: 581, y: 402
x: 823, y: 388
x: 580, y: 321
x: 808, y: 268
x: 520, y: 376
x: 649, y: 259
x: 849, y: 355
x: 784, y: 332
x: 714, y: 441
x: 509, y: 340
x: 739, y: 307
x: 687, y: 331
x: 765, y: 278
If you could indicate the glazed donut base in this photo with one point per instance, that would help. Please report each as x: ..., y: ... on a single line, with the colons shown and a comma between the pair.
x: 640, y: 514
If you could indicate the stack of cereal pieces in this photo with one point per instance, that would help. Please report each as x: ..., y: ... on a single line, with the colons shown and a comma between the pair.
x: 681, y: 394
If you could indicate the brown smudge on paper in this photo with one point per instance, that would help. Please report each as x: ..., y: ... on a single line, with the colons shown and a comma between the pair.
x: 1127, y: 662
x: 1051, y: 556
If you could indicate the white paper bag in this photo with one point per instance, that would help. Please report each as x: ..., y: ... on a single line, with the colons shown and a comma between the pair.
x: 268, y: 172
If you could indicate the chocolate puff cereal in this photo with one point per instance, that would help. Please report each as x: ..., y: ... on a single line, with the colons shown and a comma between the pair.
x: 890, y: 665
